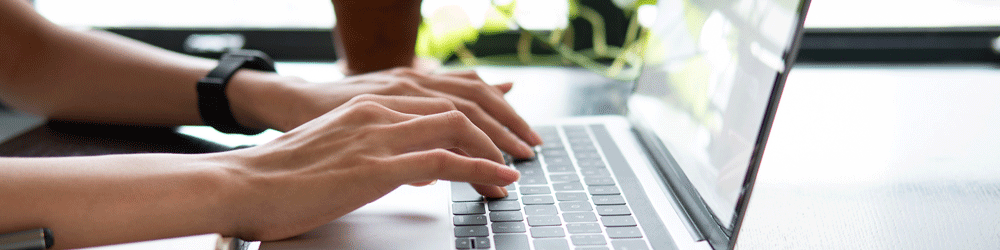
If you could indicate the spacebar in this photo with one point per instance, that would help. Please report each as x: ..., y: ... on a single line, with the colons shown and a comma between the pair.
x: 511, y: 241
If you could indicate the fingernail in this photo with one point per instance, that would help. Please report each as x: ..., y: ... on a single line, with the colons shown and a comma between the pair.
x: 510, y: 174
x: 432, y: 183
x: 504, y: 191
x: 526, y: 149
x: 535, y: 138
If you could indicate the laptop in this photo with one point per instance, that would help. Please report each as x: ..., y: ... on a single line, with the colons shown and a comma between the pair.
x: 676, y: 172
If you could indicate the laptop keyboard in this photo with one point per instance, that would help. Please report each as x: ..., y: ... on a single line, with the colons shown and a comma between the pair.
x: 566, y: 199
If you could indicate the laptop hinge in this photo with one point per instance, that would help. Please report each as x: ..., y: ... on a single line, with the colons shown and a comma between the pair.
x: 689, y: 223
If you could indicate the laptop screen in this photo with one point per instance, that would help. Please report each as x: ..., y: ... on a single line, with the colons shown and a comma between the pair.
x: 705, y: 86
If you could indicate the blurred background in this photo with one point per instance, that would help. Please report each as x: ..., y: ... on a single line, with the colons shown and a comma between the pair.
x: 604, y: 36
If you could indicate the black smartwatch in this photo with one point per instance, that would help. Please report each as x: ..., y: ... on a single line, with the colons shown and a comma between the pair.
x: 212, y: 101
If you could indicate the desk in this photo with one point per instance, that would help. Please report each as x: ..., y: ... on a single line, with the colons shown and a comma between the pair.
x: 860, y: 157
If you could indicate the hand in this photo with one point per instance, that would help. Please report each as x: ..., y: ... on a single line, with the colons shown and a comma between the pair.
x: 355, y: 154
x: 420, y: 64
x: 482, y: 103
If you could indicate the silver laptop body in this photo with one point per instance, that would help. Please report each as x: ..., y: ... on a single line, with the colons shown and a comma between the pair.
x: 676, y: 172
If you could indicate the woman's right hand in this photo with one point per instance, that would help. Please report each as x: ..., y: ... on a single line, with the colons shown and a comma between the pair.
x: 356, y: 154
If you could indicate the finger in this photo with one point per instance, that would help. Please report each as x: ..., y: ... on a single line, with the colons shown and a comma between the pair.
x: 446, y: 165
x: 446, y: 130
x: 504, y: 87
x: 364, y: 112
x: 503, y: 138
x: 496, y: 131
x: 423, y: 183
x: 467, y: 74
x: 490, y: 191
x: 409, y: 104
x: 490, y: 99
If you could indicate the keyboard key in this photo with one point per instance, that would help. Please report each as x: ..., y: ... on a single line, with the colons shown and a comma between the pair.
x: 574, y: 128
x: 609, y: 200
x: 511, y: 187
x: 510, y: 197
x: 579, y: 217
x: 540, y: 210
x: 586, y: 154
x: 577, y: 134
x: 588, y: 240
x: 530, y: 169
x: 534, y: 180
x: 481, y: 243
x: 506, y: 216
x: 583, y: 147
x: 508, y: 227
x: 538, y: 200
x: 591, y: 163
x: 463, y: 192
x: 544, y: 220
x: 595, y: 172
x: 599, y: 181
x: 470, y: 220
x: 575, y: 206
x: 549, y: 135
x: 564, y: 160
x: 554, y: 138
x: 527, y: 190
x: 602, y: 190
x: 568, y: 186
x: 503, y: 205
x: 547, y: 232
x: 630, y: 244
x: 592, y: 248
x: 583, y: 228
x: 579, y: 140
x: 551, y: 244
x: 583, y: 150
x: 528, y: 164
x: 555, y: 152
x: 613, y: 210
x: 463, y: 243
x: 553, y: 145
x: 563, y: 168
x: 511, y: 241
x: 468, y: 208
x: 618, y: 221
x: 564, y: 178
x: 571, y: 196
x: 624, y: 232
x: 471, y: 231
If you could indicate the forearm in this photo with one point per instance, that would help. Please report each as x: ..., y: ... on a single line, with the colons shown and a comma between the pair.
x: 376, y: 35
x: 103, y: 200
x: 101, y: 77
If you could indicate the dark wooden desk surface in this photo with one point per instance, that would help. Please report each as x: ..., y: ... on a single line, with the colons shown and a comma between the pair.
x: 76, y: 139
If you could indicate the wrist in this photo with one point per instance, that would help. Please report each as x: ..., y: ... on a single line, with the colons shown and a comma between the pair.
x: 229, y: 201
x: 257, y: 97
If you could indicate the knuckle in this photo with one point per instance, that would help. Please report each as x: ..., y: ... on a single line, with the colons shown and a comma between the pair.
x: 365, y: 111
x: 455, y: 118
x: 481, y: 87
x: 404, y: 84
x: 365, y: 97
x: 401, y: 71
x: 465, y: 105
x: 445, y: 102
x: 437, y: 159
x: 369, y: 107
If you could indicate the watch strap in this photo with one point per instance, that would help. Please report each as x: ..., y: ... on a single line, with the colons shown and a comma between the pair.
x: 213, y: 103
